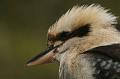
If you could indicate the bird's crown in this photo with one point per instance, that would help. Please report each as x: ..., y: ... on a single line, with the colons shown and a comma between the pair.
x: 93, y: 15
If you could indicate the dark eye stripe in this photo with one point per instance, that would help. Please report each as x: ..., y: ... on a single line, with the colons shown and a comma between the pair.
x: 63, y: 36
x: 80, y: 32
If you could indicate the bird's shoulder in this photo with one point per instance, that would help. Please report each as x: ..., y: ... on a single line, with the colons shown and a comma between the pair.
x: 104, y: 60
x: 112, y: 51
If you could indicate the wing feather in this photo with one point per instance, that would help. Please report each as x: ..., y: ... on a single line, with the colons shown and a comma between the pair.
x: 112, y: 51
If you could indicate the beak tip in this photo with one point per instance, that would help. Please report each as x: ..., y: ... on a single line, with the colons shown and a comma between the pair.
x: 28, y: 64
x: 42, y: 58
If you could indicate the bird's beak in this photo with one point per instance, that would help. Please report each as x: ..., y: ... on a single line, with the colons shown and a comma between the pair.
x: 44, y: 57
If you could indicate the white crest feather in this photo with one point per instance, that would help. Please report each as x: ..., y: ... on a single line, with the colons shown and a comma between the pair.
x: 95, y: 15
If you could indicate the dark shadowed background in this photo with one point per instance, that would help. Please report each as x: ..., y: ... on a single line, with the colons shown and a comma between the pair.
x: 23, y: 28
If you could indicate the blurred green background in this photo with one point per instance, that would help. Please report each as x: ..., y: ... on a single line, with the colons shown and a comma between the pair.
x: 23, y: 28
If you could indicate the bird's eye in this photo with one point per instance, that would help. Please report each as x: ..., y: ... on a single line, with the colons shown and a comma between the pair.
x: 63, y: 35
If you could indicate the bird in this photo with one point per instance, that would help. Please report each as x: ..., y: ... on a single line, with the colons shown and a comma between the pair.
x: 85, y: 42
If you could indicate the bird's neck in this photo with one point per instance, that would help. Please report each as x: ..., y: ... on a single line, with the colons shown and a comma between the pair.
x: 75, y: 67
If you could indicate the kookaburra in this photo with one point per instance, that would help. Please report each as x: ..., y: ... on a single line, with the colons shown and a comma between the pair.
x: 85, y: 42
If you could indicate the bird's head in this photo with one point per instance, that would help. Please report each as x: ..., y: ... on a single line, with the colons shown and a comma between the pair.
x: 80, y: 29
